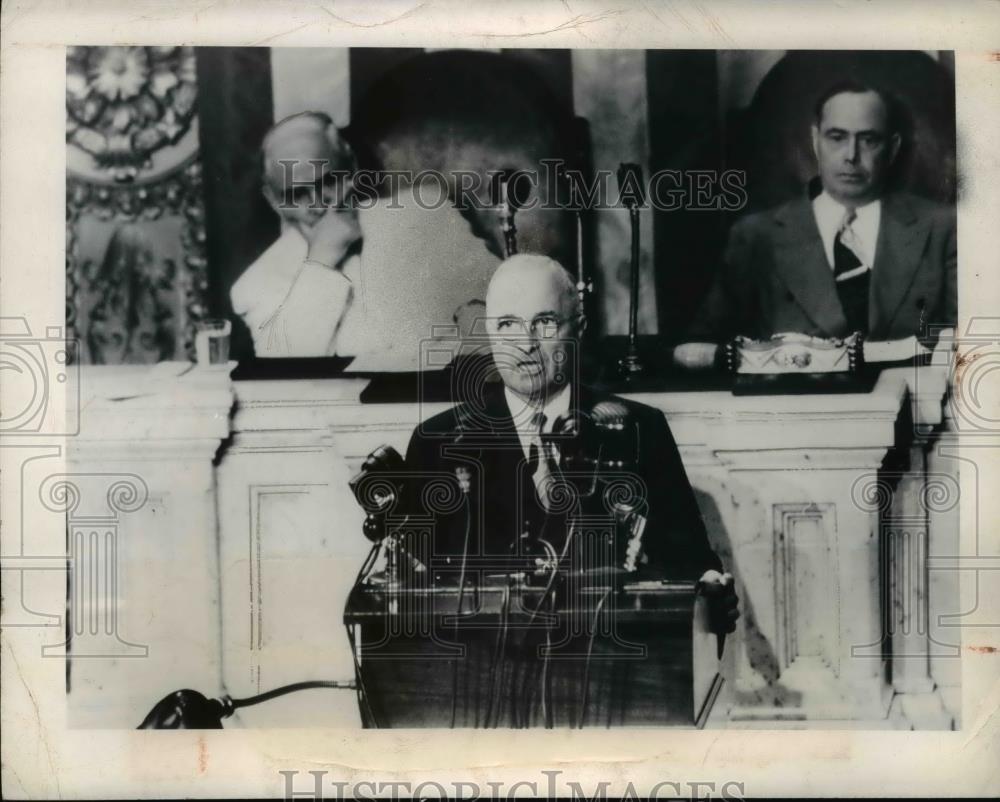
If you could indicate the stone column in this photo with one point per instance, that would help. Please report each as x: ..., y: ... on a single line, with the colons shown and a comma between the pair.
x: 923, y: 510
x: 943, y: 585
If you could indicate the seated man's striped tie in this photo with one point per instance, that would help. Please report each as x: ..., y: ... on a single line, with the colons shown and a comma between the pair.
x: 852, y: 276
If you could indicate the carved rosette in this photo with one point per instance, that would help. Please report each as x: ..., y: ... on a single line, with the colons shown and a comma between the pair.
x: 132, y: 172
x: 125, y: 103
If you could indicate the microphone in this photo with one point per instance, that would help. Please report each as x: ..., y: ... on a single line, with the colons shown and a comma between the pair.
x: 378, y: 488
x: 619, y: 452
x: 617, y: 434
x: 505, y: 186
x: 632, y: 196
x: 610, y: 413
x: 506, y: 199
x: 604, y: 438
x: 574, y: 433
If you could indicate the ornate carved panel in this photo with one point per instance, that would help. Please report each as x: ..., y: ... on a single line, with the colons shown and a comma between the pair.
x: 135, y: 223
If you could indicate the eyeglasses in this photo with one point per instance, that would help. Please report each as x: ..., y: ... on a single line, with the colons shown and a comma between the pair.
x: 544, y: 326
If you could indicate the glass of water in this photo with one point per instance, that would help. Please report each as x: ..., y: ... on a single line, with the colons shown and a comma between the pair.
x: 211, y: 341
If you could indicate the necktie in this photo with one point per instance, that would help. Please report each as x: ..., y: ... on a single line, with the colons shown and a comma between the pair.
x: 851, y: 276
x: 538, y: 462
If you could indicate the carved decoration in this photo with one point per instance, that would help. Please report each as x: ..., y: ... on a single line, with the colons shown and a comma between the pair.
x: 123, y: 104
x: 141, y: 299
x: 136, y: 272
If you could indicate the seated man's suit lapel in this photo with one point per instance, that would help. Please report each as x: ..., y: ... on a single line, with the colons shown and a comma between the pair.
x: 901, y: 240
x: 800, y: 264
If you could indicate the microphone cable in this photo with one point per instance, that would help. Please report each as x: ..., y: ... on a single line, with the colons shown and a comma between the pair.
x: 368, y: 563
x: 569, y: 537
x: 546, y: 711
x: 498, y: 651
x: 555, y: 572
x: 363, y: 699
x: 586, y: 665
x: 461, y: 596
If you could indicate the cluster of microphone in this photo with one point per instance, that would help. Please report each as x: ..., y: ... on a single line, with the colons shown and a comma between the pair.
x: 595, y: 449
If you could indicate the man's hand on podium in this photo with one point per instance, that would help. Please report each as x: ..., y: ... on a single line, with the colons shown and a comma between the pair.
x: 723, y: 603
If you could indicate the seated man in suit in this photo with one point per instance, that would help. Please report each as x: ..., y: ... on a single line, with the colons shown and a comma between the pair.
x: 503, y: 449
x: 297, y: 299
x: 855, y: 258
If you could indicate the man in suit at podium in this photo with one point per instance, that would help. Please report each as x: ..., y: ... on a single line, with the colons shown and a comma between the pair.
x: 855, y: 257
x: 504, y: 448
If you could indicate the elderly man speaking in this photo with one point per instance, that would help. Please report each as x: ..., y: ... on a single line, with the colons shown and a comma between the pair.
x: 503, y: 440
x: 297, y: 299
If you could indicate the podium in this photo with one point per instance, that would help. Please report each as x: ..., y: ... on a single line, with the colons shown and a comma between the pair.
x: 635, y: 654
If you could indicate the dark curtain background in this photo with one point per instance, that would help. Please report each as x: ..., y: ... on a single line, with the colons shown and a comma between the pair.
x: 682, y: 87
x: 235, y: 109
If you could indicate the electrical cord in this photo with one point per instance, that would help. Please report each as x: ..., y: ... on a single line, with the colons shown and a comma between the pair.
x: 586, y: 665
x: 458, y: 610
x: 505, y: 628
x: 368, y: 564
x: 555, y: 572
x: 498, y: 651
x: 546, y: 711
x: 569, y: 538
x: 362, y: 693
x: 229, y: 704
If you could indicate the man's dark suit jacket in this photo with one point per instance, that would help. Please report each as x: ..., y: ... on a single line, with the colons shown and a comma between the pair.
x: 775, y: 277
x: 502, y: 496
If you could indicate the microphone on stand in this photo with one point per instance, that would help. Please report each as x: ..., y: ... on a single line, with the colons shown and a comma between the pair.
x: 621, y: 454
x: 574, y: 435
x: 506, y: 200
x: 630, y: 190
x: 603, y: 438
x: 600, y: 450
x: 379, y: 488
x: 612, y: 421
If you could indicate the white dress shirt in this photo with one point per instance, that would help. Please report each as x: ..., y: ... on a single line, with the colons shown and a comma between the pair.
x: 830, y: 217
x: 297, y: 308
